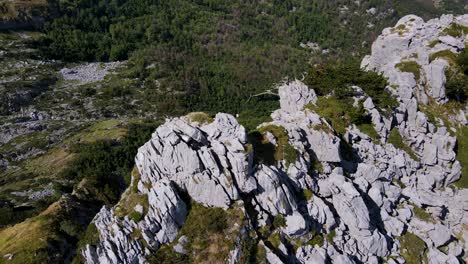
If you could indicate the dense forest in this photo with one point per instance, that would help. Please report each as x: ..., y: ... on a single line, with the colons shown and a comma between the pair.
x: 212, y: 55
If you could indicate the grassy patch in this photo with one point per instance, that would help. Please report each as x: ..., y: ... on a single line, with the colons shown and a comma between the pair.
x: 369, y: 130
x: 51, y: 163
x: 396, y: 140
x: 332, y: 109
x: 444, y: 54
x: 127, y: 204
x: 340, y: 113
x: 422, y: 214
x: 399, y: 183
x: 30, y: 240
x: 462, y: 155
x: 444, y: 112
x: 412, y: 248
x: 210, y: 233
x: 275, y: 239
x: 456, y: 30
x: 411, y: 67
x: 282, y: 151
x: 433, y: 43
x: 330, y: 236
x: 103, y: 130
x: 200, y: 118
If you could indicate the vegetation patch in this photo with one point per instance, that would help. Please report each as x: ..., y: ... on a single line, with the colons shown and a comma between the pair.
x: 462, y: 155
x: 330, y: 236
x: 308, y: 194
x: 369, y: 130
x: 411, y: 67
x: 456, y: 30
x: 279, y: 221
x: 275, y: 239
x: 396, y: 140
x: 422, y: 214
x: 340, y: 113
x: 412, y: 248
x: 200, y: 118
x: 112, y: 129
x: 317, y: 239
x: 266, y: 152
x: 337, y: 78
x: 456, y: 86
x: 433, y: 43
x: 444, y: 54
x: 210, y: 232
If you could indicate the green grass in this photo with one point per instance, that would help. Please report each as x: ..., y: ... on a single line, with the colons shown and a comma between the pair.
x: 127, y: 204
x: 283, y: 150
x: 275, y: 239
x: 444, y: 54
x: 210, y: 232
x: 369, y: 130
x: 200, y: 118
x: 318, y: 240
x: 102, y: 130
x: 456, y: 30
x: 411, y: 67
x: 332, y: 109
x: 330, y: 236
x: 422, y: 214
x: 433, y: 43
x: 462, y: 156
x: 412, y: 248
x: 396, y: 140
x: 279, y: 221
x: 340, y: 113
x: 29, y: 241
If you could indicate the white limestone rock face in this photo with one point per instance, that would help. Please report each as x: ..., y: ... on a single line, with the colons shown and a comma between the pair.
x: 295, y: 95
x: 166, y: 214
x: 206, y: 161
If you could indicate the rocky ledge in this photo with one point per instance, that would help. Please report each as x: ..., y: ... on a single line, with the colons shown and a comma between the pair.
x: 341, y: 199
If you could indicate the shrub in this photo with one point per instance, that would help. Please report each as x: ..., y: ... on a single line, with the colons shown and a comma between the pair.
x: 336, y: 78
x: 70, y: 228
x: 279, y: 221
x: 316, y: 240
x: 369, y: 130
x: 456, y: 87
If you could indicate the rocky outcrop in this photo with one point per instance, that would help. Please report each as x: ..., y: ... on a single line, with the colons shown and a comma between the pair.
x: 118, y: 235
x: 319, y: 204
